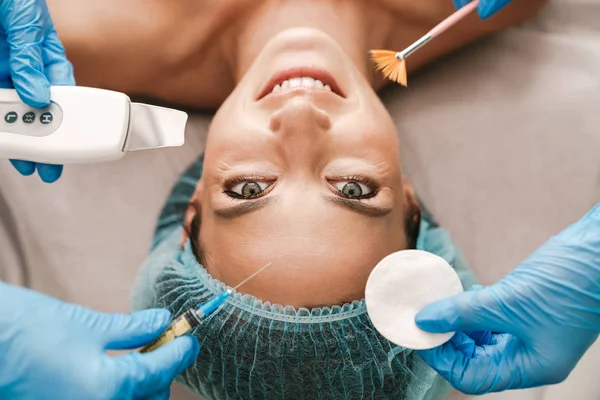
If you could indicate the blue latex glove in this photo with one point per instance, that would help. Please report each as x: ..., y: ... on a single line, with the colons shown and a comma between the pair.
x: 486, y: 8
x: 53, y: 350
x: 31, y: 59
x: 547, y: 310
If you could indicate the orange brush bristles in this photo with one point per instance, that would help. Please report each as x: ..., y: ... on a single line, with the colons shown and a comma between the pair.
x: 390, y: 66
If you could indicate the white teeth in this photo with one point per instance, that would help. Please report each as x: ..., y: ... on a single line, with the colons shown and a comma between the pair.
x: 295, y: 82
x: 304, y: 81
x: 308, y: 82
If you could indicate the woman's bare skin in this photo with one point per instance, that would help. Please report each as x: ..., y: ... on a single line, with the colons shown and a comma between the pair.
x: 193, y: 52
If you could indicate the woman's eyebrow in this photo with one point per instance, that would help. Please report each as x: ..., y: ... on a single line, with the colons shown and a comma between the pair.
x: 243, y: 208
x: 359, y: 207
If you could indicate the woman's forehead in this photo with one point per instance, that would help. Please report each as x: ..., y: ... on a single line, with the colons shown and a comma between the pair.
x: 311, y: 246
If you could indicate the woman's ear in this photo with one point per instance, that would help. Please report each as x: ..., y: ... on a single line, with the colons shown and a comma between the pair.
x: 193, y: 211
x: 190, y: 213
x: 412, y: 214
x: 409, y: 190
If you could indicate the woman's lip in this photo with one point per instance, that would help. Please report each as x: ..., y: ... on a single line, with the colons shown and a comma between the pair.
x: 298, y: 72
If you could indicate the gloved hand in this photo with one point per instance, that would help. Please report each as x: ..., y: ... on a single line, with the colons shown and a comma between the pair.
x: 531, y: 328
x: 53, y: 350
x: 31, y: 59
x: 486, y: 8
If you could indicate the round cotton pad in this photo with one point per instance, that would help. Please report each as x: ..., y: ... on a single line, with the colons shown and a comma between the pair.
x: 400, y: 286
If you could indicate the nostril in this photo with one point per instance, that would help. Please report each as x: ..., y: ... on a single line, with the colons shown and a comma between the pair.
x: 323, y: 119
x: 275, y: 123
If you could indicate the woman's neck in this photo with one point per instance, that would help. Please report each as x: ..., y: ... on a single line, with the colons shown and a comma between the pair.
x: 357, y: 26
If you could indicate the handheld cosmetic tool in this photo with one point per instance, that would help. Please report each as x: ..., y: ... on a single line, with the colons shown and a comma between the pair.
x: 195, y: 316
x: 84, y: 125
x: 393, y: 64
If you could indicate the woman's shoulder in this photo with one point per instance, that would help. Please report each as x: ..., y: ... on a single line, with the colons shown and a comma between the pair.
x: 162, y: 48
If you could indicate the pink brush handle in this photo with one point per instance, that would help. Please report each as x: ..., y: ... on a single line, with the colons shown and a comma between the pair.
x: 454, y: 18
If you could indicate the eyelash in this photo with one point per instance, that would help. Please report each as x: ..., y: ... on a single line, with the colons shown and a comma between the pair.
x: 246, y: 178
x: 360, y: 179
x: 254, y: 178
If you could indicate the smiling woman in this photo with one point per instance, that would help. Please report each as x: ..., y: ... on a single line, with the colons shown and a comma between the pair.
x: 303, y: 174
x: 302, y: 168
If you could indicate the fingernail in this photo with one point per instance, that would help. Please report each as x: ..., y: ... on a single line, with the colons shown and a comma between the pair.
x: 428, y: 326
x: 460, y: 3
x: 429, y: 320
x: 162, y: 318
x: 49, y: 173
x: 25, y: 168
x: 486, y: 10
x: 33, y: 88
x: 427, y: 323
x: 195, y: 351
x: 195, y: 347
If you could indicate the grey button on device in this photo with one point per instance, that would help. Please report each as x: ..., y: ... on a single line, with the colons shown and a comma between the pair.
x: 11, y: 117
x: 23, y: 120
x: 29, y: 117
x: 46, y: 118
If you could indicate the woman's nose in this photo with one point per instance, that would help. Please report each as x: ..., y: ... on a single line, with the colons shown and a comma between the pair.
x: 300, y: 115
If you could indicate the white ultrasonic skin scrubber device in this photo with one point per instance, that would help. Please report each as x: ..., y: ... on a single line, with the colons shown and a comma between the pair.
x: 84, y: 125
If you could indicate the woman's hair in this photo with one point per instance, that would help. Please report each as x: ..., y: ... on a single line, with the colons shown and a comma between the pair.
x: 412, y: 223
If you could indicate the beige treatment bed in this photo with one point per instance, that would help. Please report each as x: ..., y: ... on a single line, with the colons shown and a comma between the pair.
x: 502, y: 142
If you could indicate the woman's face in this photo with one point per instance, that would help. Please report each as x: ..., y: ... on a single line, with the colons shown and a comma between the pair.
x: 301, y: 176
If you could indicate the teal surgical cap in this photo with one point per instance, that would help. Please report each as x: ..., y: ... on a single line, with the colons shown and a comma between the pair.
x: 252, y: 349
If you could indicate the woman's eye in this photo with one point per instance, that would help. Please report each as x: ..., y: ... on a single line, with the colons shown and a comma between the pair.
x: 247, y: 190
x: 354, y: 190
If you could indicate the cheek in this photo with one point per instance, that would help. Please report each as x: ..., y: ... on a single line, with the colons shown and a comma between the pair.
x: 237, y: 136
x: 369, y: 131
